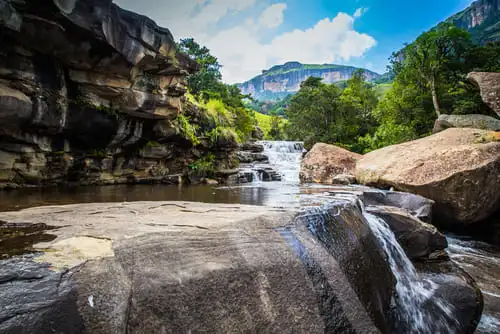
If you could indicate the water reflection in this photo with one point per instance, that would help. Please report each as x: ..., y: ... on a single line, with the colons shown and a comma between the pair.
x: 276, y: 194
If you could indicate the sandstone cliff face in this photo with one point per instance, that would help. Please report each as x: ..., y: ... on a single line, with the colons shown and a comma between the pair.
x: 482, y: 19
x: 89, y: 93
x: 282, y: 80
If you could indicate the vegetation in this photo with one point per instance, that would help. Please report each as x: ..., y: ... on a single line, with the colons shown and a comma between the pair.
x: 434, y: 57
x: 425, y: 79
x: 277, y: 107
x: 272, y: 125
x: 321, y: 112
x: 204, y: 164
x: 187, y: 129
x: 224, y: 111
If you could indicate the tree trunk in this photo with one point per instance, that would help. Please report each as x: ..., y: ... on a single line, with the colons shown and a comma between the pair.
x: 435, y: 98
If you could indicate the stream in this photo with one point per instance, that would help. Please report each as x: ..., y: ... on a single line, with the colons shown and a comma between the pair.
x: 480, y: 259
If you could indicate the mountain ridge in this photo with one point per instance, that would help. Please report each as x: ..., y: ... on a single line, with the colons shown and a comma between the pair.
x: 281, y: 80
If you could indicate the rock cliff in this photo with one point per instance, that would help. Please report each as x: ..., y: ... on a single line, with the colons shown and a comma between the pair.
x: 482, y: 19
x: 90, y: 93
x: 282, y: 80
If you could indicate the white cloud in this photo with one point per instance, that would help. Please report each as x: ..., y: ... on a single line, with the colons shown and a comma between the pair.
x: 273, y: 16
x: 330, y: 40
x: 360, y: 12
x: 213, y: 11
x: 239, y: 46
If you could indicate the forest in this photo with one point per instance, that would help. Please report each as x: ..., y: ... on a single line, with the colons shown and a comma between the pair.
x: 429, y: 79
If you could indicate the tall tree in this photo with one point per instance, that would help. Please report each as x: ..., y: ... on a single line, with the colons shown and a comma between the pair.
x: 435, y: 55
x: 209, y: 76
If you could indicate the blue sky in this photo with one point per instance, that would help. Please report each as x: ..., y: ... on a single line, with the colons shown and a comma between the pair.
x: 251, y: 35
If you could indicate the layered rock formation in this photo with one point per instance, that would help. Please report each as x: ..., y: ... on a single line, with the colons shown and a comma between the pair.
x: 458, y: 168
x: 90, y: 94
x: 281, y: 80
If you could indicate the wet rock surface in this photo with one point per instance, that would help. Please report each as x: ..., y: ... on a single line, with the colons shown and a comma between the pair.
x: 482, y: 261
x: 235, y: 255
x: 224, y: 260
x: 418, y: 206
x: 458, y: 288
x: 418, y: 239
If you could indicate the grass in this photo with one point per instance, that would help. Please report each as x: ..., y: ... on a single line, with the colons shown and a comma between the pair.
x: 264, y: 122
x: 382, y: 89
x: 217, y: 110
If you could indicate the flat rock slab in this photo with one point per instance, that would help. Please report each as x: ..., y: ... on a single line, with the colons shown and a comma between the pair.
x: 149, y: 267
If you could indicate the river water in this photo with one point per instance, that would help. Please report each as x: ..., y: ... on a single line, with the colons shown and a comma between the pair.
x: 480, y: 259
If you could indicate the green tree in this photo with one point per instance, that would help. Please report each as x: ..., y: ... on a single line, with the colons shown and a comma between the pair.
x: 276, y: 132
x: 435, y: 56
x: 324, y: 113
x: 209, y: 75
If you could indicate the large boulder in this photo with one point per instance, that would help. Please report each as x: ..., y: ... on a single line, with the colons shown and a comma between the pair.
x: 489, y: 83
x: 464, y: 299
x: 458, y: 168
x: 324, y: 162
x: 179, y: 267
x: 466, y: 121
x: 418, y: 239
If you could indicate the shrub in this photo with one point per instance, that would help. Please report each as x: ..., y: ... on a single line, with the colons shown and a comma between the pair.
x: 188, y: 130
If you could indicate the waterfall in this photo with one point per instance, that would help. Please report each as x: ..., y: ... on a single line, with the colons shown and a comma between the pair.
x: 285, y: 157
x: 256, y: 177
x: 416, y: 304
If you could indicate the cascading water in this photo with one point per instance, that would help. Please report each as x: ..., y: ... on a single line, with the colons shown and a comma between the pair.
x: 285, y: 157
x: 415, y: 294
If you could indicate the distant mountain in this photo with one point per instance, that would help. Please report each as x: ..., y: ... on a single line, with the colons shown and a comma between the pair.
x: 281, y: 80
x: 481, y: 19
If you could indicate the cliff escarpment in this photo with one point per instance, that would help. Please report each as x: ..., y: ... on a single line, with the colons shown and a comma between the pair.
x: 281, y: 80
x: 482, y: 19
x: 91, y: 94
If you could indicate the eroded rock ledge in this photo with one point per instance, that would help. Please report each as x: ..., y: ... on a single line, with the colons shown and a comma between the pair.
x: 90, y: 94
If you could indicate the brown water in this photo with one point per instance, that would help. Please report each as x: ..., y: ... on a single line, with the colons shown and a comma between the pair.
x: 279, y: 194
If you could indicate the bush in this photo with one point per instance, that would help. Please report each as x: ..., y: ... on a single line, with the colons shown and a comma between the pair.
x: 217, y: 111
x: 188, y: 131
x: 221, y: 135
x: 205, y: 164
x: 385, y: 135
